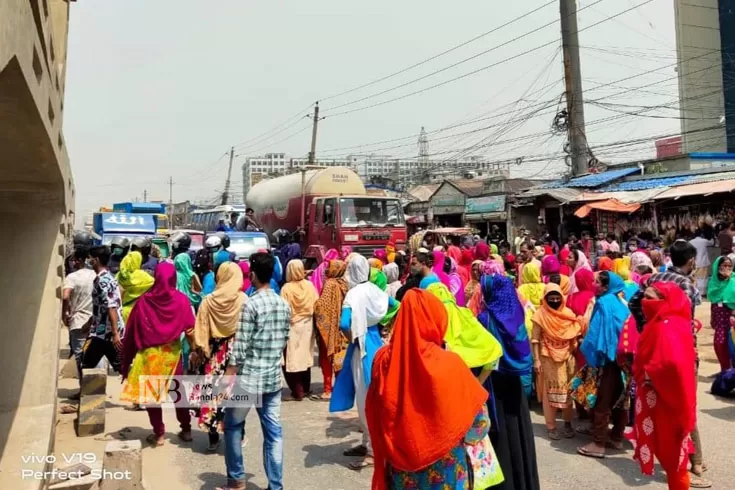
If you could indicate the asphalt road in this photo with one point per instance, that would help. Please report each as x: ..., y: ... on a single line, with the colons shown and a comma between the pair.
x: 315, y: 440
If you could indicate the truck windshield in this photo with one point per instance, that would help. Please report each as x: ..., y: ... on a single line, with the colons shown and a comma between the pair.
x: 245, y: 246
x: 367, y: 211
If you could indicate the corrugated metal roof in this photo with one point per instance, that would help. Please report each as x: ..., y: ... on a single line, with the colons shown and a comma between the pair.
x: 716, y: 177
x: 701, y: 188
x: 626, y: 197
x: 596, y: 180
x: 639, y: 185
x: 562, y: 194
x: 423, y: 192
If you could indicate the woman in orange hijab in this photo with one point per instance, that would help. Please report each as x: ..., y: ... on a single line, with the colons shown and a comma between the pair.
x: 423, y: 403
x: 556, y: 331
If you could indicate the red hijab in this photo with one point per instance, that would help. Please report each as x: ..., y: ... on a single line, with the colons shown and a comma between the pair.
x: 159, y: 317
x: 578, y: 302
x: 666, y: 357
x: 245, y: 268
x: 564, y: 268
x: 605, y: 264
x: 422, y: 399
x: 482, y: 251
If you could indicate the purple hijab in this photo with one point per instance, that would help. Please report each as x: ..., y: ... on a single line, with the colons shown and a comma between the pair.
x: 159, y: 317
x: 455, y: 284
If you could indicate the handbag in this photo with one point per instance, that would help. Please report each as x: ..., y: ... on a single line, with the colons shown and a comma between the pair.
x: 485, y: 466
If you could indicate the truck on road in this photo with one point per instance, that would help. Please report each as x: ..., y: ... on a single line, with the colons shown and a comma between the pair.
x: 332, y: 208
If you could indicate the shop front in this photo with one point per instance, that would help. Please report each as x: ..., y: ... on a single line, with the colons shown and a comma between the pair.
x: 484, y: 212
x: 448, y: 206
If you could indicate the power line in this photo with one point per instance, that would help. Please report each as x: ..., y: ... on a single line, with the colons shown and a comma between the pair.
x: 427, y: 60
x: 479, y: 70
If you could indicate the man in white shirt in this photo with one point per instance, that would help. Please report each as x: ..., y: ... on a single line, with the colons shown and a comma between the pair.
x: 77, y: 312
x: 702, y: 263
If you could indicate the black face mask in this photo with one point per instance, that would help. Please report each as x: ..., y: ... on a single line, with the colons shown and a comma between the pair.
x: 554, y: 305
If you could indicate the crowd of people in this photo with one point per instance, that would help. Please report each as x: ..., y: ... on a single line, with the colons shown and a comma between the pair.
x: 442, y: 350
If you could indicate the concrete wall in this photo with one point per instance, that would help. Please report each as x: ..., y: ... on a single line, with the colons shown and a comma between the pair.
x: 36, y: 199
x: 700, y: 75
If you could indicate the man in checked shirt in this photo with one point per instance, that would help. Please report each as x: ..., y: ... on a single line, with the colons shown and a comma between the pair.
x: 683, y: 257
x: 256, y: 359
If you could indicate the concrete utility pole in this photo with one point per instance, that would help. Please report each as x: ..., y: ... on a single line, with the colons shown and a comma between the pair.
x: 170, y: 202
x: 226, y: 194
x: 312, y: 153
x: 573, y: 78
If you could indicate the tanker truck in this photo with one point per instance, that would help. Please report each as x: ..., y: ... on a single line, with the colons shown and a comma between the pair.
x: 332, y: 208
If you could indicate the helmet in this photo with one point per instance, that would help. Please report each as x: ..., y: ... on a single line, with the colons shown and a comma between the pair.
x: 120, y: 242
x: 180, y: 242
x: 119, y: 246
x: 224, y: 238
x: 213, y: 243
x: 82, y: 238
x: 142, y: 245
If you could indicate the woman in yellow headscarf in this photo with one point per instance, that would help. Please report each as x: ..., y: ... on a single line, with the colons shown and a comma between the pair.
x: 466, y: 336
x: 621, y: 267
x: 133, y: 280
x: 301, y: 296
x: 532, y: 288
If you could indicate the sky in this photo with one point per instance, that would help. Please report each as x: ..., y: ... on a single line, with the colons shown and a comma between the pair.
x: 159, y: 90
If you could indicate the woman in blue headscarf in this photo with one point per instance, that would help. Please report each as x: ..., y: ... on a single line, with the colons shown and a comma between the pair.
x: 602, y: 383
x: 512, y: 433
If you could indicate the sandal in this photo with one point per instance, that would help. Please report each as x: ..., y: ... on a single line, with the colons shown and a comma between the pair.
x: 568, y: 433
x: 324, y: 397
x: 699, y: 482
x: 553, y: 434
x: 360, y: 465
x: 360, y: 451
x: 154, y: 440
x: 703, y: 469
x: 185, y: 436
x: 617, y: 445
x: 214, y: 446
x: 582, y: 451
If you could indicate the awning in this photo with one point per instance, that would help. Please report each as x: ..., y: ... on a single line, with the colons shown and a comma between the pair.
x: 625, y: 197
x: 563, y: 195
x: 702, y: 189
x: 608, y: 205
x: 415, y: 220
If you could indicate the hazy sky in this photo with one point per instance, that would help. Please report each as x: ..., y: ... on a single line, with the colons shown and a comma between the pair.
x: 164, y: 88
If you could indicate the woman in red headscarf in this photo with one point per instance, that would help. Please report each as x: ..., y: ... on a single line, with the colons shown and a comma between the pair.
x: 666, y: 395
x: 416, y: 388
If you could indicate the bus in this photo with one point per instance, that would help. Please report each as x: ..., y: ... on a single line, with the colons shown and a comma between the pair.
x: 208, y: 219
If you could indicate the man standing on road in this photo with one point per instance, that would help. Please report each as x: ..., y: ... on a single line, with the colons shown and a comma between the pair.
x: 105, y: 337
x: 78, y: 288
x: 256, y: 357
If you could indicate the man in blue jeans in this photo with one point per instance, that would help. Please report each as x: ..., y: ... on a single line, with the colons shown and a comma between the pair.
x: 256, y: 358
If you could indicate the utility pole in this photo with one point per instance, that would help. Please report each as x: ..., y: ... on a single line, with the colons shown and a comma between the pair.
x: 170, y: 202
x: 573, y: 79
x: 226, y: 194
x: 312, y: 153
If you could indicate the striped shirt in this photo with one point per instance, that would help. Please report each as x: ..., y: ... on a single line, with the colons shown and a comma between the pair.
x: 259, y: 342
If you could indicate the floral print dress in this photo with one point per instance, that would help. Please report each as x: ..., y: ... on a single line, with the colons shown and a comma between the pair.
x: 211, y: 415
x: 455, y: 470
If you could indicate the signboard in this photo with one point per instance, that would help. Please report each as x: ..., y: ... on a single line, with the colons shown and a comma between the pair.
x: 448, y: 201
x: 487, y: 204
x: 127, y: 223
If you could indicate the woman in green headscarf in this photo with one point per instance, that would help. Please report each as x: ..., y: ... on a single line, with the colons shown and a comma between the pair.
x: 379, y: 278
x: 133, y: 281
x: 187, y: 281
x: 721, y: 294
x: 466, y: 336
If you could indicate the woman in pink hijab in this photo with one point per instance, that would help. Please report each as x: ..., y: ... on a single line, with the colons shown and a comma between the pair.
x: 319, y: 275
x: 345, y: 251
x: 438, y: 268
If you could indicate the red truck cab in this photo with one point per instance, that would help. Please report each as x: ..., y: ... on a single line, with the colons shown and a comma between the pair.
x: 362, y: 222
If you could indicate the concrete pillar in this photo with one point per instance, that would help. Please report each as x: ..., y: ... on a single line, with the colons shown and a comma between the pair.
x: 123, y: 466
x: 91, y: 413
